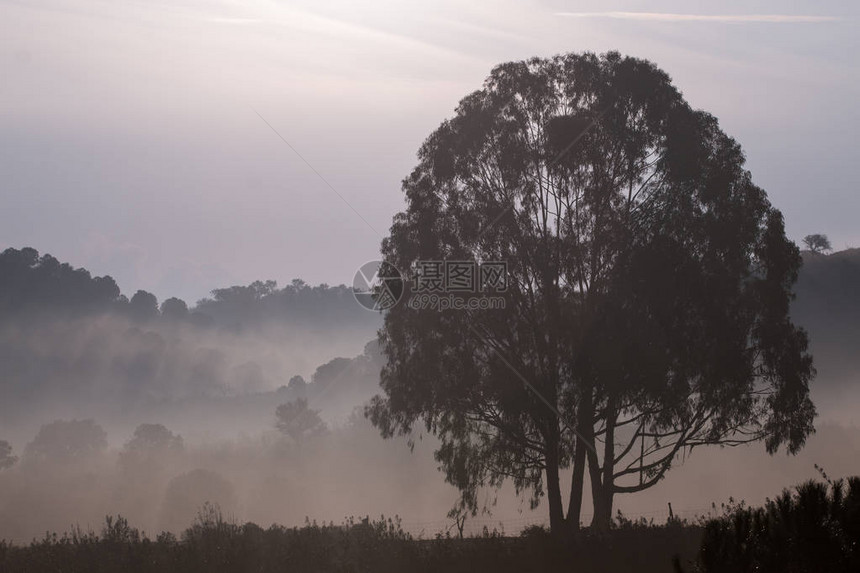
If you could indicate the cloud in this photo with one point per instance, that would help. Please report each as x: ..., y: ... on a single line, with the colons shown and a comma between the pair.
x: 667, y: 17
x: 235, y: 21
x: 311, y: 22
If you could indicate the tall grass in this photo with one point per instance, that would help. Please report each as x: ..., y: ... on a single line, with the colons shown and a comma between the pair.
x: 215, y: 544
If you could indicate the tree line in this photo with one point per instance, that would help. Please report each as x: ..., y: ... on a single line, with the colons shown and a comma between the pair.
x: 34, y: 284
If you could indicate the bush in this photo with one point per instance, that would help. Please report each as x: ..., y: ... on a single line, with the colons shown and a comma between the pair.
x: 815, y: 527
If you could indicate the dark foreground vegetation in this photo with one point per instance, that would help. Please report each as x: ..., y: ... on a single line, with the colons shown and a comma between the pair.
x: 213, y: 544
x: 816, y: 527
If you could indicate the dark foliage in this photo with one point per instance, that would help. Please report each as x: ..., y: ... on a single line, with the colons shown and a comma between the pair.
x: 214, y: 544
x: 143, y: 306
x: 174, y: 308
x: 648, y: 288
x: 817, y: 243
x: 816, y: 527
x: 33, y: 283
x: 241, y: 307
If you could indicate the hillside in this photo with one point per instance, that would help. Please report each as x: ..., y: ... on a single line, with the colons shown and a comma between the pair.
x: 828, y: 302
x: 70, y: 339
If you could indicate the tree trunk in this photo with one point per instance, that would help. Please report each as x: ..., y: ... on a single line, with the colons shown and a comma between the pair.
x: 577, y: 482
x: 603, y: 508
x: 553, y: 489
x: 585, y: 426
x: 603, y: 494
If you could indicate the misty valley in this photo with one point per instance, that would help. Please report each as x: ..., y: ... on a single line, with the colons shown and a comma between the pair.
x: 380, y: 287
x: 113, y: 410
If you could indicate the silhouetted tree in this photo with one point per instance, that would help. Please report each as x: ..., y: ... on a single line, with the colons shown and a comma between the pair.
x: 244, y: 294
x: 143, y: 305
x: 33, y: 283
x: 817, y: 243
x: 648, y: 289
x: 297, y: 383
x: 67, y: 440
x: 262, y: 302
x: 149, y: 443
x: 153, y: 437
x: 331, y: 372
x: 296, y: 420
x: 29, y: 282
x: 7, y: 460
x: 174, y: 309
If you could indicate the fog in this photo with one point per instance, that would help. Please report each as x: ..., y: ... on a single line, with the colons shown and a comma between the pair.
x: 265, y: 479
x: 123, y: 373
x: 350, y: 471
x: 213, y: 387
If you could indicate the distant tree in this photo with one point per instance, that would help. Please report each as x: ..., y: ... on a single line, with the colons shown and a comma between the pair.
x: 648, y: 288
x: 296, y: 420
x: 154, y: 437
x: 817, y: 243
x: 201, y: 320
x: 262, y: 302
x: 297, y: 383
x: 7, y: 460
x: 243, y: 295
x: 143, y: 305
x: 174, y: 309
x: 149, y: 443
x: 67, y: 440
x: 332, y: 372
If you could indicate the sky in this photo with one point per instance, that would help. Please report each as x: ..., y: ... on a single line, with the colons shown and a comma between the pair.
x: 187, y: 145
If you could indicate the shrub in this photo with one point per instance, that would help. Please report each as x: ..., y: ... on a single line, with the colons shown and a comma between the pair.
x: 815, y: 527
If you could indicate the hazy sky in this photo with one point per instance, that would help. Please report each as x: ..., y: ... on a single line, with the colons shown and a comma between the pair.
x: 130, y: 141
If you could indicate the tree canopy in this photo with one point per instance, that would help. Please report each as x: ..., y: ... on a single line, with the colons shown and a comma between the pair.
x: 143, y: 306
x: 296, y: 420
x: 153, y: 437
x: 817, y: 243
x: 34, y: 284
x: 649, y: 282
x: 30, y: 282
x: 67, y: 440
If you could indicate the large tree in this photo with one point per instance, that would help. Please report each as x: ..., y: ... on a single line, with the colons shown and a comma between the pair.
x: 649, y: 282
